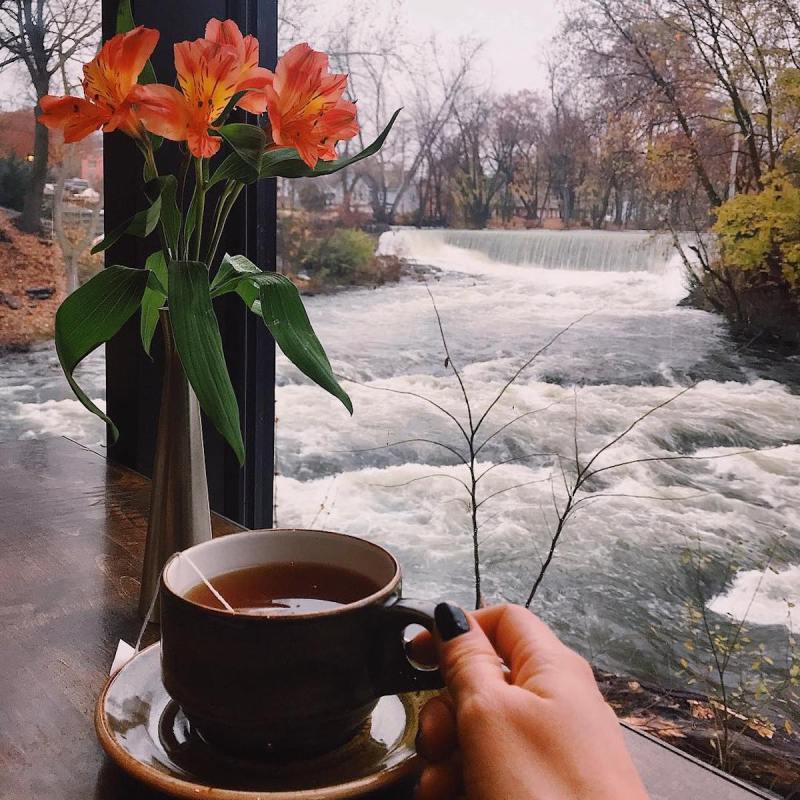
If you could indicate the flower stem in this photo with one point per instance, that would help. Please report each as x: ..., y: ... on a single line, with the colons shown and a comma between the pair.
x: 229, y: 200
x: 200, y: 188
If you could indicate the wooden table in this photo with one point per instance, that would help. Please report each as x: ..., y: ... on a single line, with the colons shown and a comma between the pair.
x: 72, y: 529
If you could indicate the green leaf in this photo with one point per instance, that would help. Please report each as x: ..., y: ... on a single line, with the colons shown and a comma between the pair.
x: 233, y: 168
x: 229, y: 274
x: 247, y: 141
x: 90, y: 316
x: 284, y: 314
x: 170, y: 214
x: 126, y: 23
x: 283, y: 162
x: 276, y: 299
x: 153, y: 299
x: 191, y: 218
x: 199, y: 345
x: 141, y: 224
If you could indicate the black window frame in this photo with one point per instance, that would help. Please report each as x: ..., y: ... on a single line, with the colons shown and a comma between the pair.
x: 133, y: 381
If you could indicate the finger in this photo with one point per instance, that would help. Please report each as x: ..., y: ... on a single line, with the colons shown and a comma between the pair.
x: 441, y: 781
x: 422, y: 650
x: 525, y: 643
x: 468, y: 662
x: 437, y: 736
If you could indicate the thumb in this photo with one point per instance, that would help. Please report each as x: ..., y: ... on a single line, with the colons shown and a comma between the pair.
x: 467, y: 659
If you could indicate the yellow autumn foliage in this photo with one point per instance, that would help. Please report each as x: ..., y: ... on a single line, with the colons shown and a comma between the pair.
x: 760, y: 232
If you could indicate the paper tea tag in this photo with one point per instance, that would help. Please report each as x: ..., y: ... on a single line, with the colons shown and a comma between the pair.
x: 123, y: 655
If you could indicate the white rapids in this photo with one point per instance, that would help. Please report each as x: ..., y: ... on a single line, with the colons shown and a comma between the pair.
x: 618, y: 575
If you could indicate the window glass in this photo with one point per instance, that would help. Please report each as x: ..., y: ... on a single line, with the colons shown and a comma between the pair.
x: 637, y: 476
x: 51, y: 213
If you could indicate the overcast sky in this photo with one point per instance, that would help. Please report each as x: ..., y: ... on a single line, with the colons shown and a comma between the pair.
x: 516, y: 32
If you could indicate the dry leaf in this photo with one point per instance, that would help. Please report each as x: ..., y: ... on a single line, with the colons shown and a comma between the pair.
x: 634, y: 686
x: 763, y: 729
x: 700, y: 710
x: 657, y: 726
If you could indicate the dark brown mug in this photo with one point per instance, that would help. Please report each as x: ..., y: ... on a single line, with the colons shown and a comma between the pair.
x: 295, y: 684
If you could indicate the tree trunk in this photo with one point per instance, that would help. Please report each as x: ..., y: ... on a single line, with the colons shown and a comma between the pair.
x: 31, y: 219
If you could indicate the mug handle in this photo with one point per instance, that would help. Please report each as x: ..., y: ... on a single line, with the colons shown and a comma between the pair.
x: 397, y: 674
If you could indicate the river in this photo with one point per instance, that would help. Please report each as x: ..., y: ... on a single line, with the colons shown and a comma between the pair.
x: 619, y: 581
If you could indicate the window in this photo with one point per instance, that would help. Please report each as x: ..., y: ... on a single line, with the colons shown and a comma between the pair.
x: 537, y: 215
x: 47, y: 229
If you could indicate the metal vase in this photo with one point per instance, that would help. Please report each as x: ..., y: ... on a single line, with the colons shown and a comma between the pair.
x: 179, y: 511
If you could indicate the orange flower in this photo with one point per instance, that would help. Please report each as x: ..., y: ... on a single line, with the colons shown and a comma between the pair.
x: 210, y: 71
x: 306, y: 106
x: 108, y: 80
x: 251, y: 77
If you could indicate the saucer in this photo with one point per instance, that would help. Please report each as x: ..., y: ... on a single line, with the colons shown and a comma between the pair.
x: 144, y: 731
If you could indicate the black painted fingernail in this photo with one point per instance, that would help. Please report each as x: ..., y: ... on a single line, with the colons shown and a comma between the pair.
x: 451, y: 621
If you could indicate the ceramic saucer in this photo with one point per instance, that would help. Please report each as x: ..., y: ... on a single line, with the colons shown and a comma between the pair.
x: 144, y: 731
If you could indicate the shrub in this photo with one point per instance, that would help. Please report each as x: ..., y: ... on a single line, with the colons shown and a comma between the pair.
x: 15, y: 178
x: 759, y: 233
x: 343, y: 254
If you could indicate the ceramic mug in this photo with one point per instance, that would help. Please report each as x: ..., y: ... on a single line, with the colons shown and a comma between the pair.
x: 295, y: 684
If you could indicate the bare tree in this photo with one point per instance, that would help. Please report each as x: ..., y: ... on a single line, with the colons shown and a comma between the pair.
x: 45, y: 36
x: 76, y: 229
x: 438, y: 82
x: 371, y: 50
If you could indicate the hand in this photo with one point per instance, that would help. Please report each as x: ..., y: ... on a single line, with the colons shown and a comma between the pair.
x: 539, y: 731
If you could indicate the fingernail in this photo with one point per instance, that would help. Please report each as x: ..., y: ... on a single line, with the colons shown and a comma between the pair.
x: 451, y: 621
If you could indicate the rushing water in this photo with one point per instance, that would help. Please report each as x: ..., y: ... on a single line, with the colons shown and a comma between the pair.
x: 617, y: 585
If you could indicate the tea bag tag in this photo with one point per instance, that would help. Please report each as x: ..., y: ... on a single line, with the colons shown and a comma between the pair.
x: 123, y: 655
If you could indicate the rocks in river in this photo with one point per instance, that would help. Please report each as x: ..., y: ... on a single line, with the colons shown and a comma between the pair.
x: 40, y: 292
x: 32, y: 283
x: 14, y: 303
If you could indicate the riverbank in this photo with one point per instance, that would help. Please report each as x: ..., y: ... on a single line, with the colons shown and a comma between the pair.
x: 765, y: 311
x: 688, y: 721
x: 381, y: 270
x: 32, y: 286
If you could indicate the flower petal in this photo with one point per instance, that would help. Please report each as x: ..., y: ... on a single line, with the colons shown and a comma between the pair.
x: 306, y: 106
x: 227, y: 33
x: 201, y: 145
x: 208, y: 75
x: 163, y: 110
x: 73, y: 115
x: 114, y: 71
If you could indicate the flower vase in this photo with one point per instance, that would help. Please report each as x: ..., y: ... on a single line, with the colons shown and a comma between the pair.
x: 179, y: 510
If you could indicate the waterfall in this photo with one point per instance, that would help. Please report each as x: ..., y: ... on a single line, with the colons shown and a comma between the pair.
x: 604, y: 251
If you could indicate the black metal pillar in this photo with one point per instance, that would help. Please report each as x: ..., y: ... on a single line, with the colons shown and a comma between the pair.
x: 133, y: 381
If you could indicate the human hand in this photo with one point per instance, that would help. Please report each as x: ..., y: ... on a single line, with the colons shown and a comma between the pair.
x: 540, y: 731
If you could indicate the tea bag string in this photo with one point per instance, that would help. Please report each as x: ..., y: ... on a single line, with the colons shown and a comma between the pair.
x: 228, y: 607
x: 147, y: 617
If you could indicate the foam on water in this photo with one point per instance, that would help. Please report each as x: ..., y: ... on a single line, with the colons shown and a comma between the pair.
x: 762, y: 597
x: 604, y: 251
x: 618, y: 573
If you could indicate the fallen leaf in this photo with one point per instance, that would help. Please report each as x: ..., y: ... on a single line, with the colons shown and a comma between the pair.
x: 700, y: 710
x: 657, y: 726
x: 764, y: 729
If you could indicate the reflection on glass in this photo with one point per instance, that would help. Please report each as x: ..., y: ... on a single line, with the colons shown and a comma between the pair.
x: 51, y: 213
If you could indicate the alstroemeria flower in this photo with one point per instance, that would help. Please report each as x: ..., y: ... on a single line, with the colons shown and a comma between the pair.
x: 210, y: 71
x: 306, y: 106
x: 108, y: 80
x: 251, y: 77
